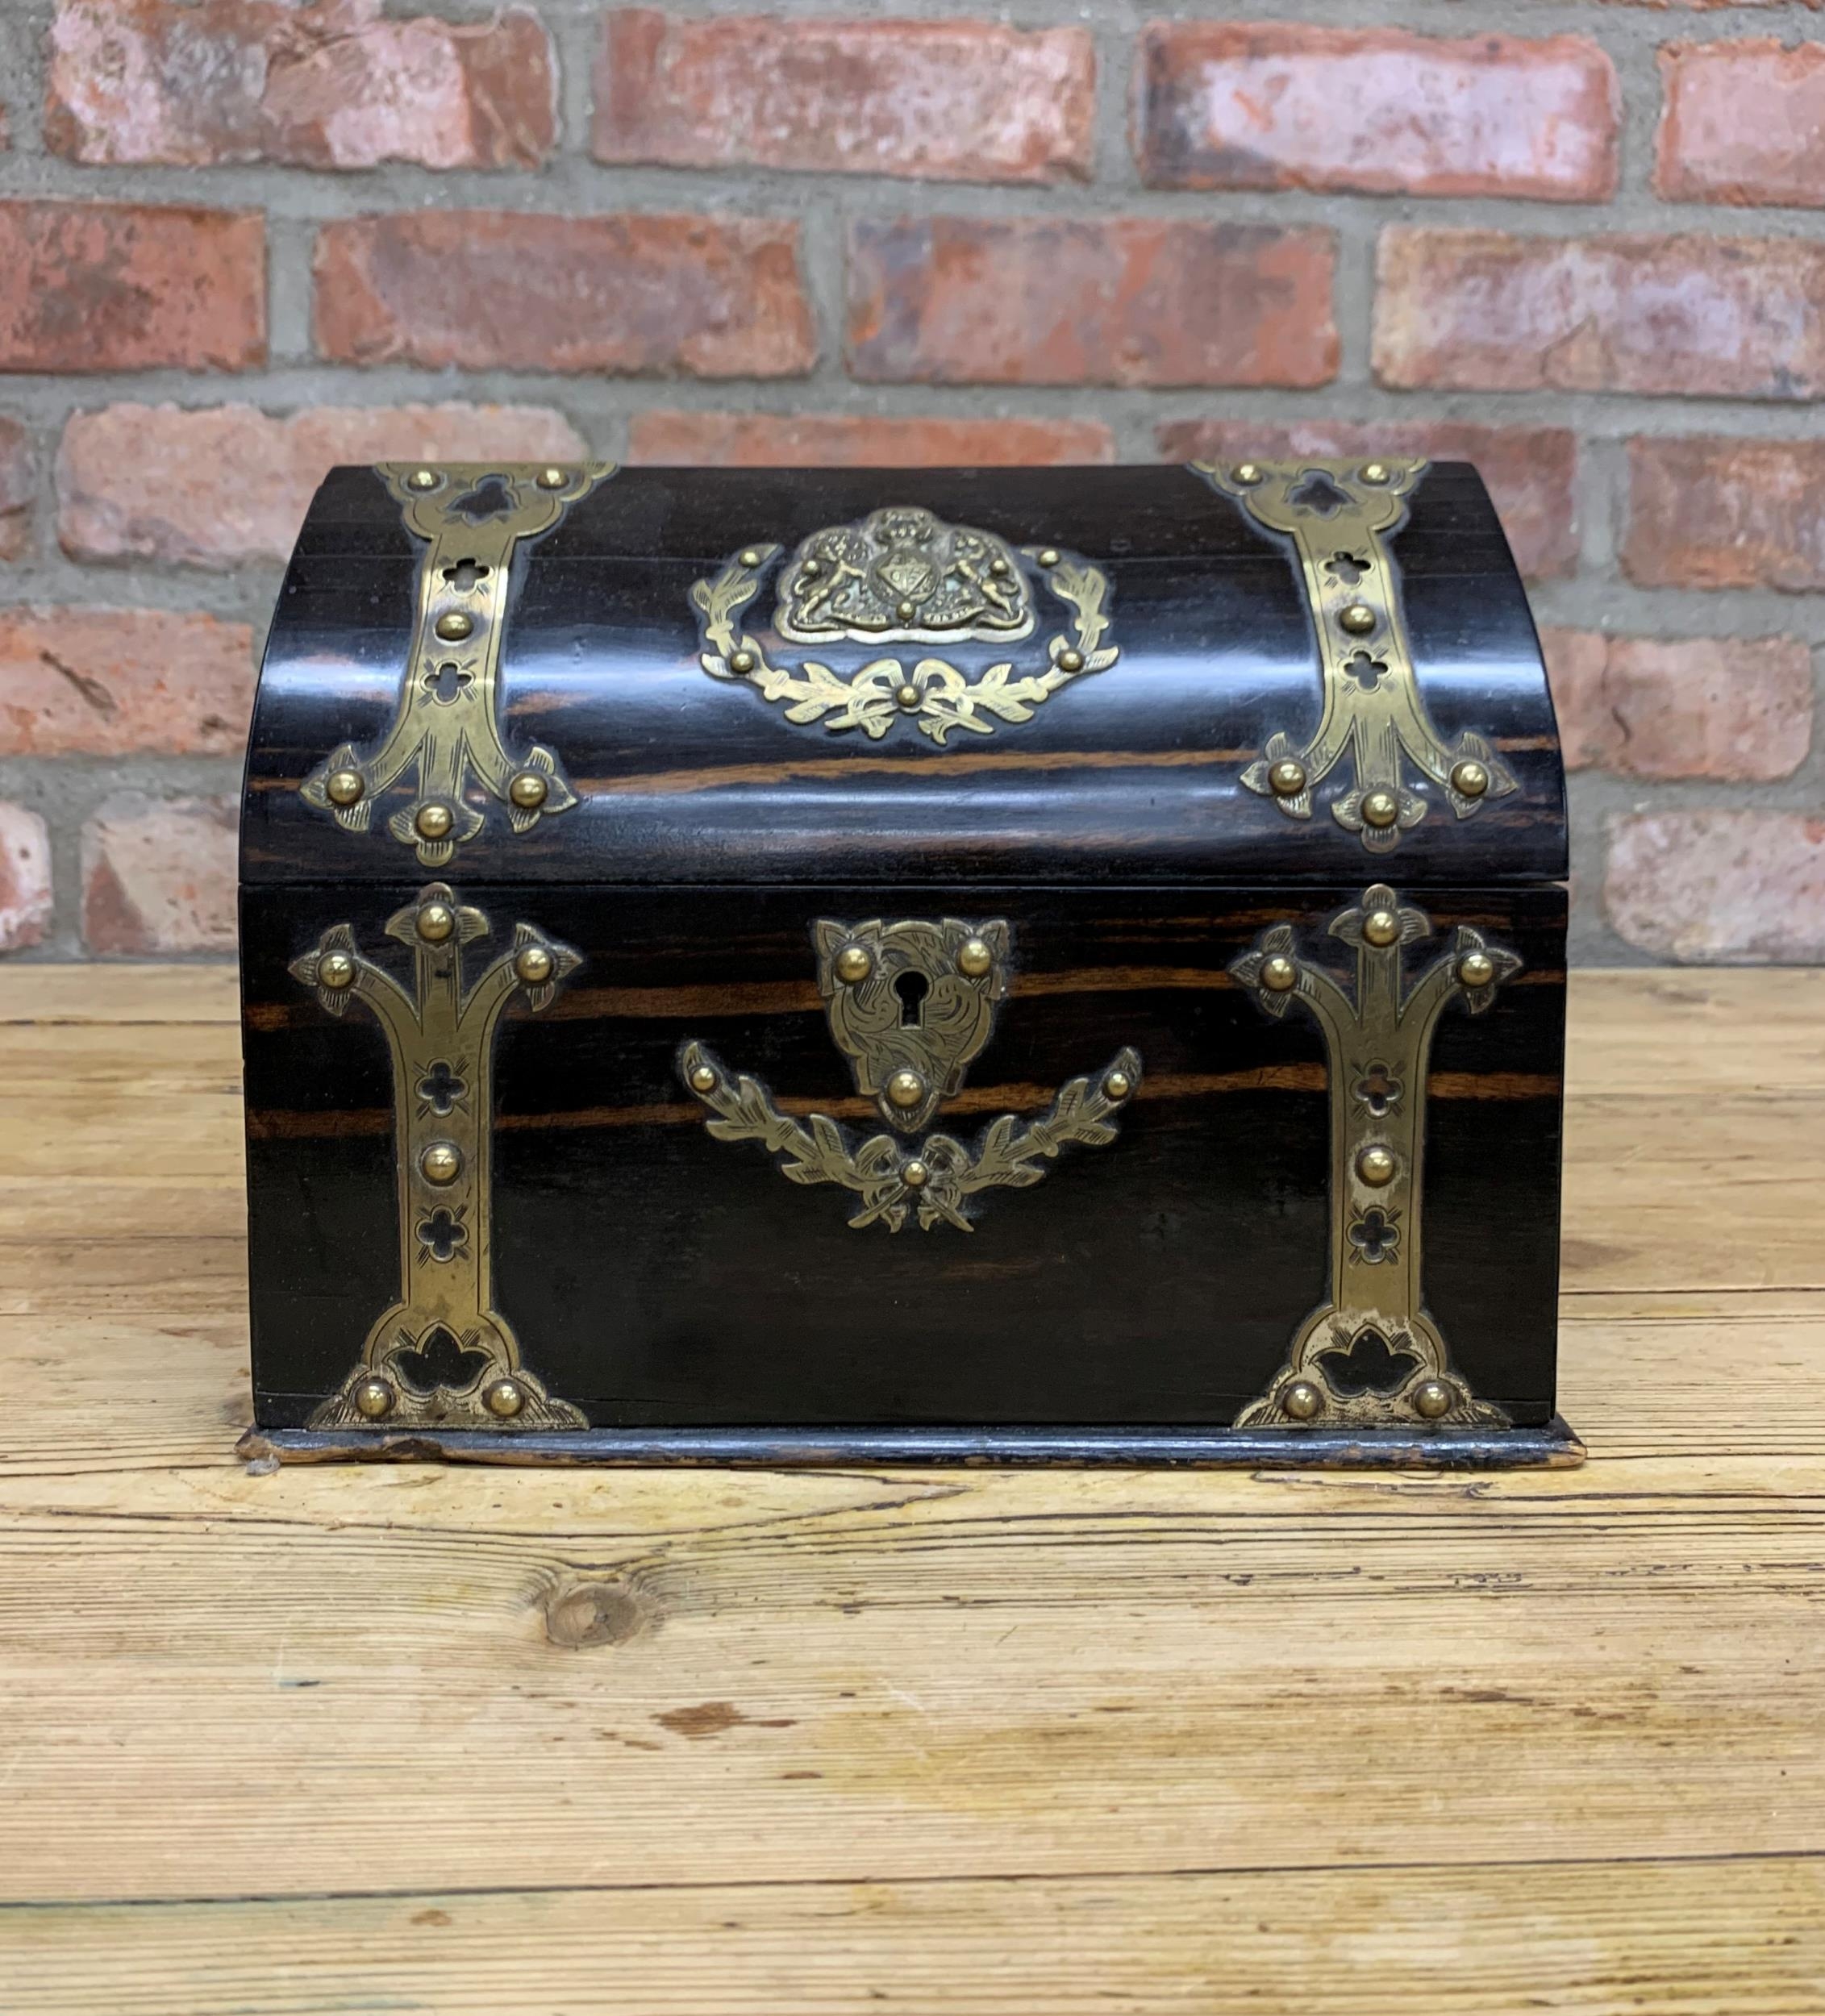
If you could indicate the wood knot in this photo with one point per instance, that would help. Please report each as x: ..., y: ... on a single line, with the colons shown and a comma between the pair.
x: 593, y: 1614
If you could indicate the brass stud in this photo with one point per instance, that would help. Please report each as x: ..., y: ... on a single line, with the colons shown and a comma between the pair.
x: 1049, y: 557
x: 810, y: 571
x: 553, y: 479
x: 505, y: 1398
x: 532, y: 965
x: 441, y: 1163
x: 998, y: 565
x: 742, y: 661
x: 433, y: 821
x: 336, y: 971
x: 1380, y: 927
x: 422, y: 480
x: 436, y: 923
x: 1376, y: 1166
x: 1118, y: 1084
x: 1247, y: 474
x: 1432, y: 1398
x: 1279, y: 975
x: 749, y: 557
x: 915, y: 1176
x: 1302, y: 1400
x: 704, y: 1079
x: 1469, y: 779
x: 905, y: 611
x: 345, y: 787
x: 908, y: 695
x: 1286, y: 779
x: 1476, y: 969
x: 905, y: 1089
x: 1357, y: 618
x: 1376, y: 472
x: 530, y: 789
x: 853, y: 963
x: 1070, y: 660
x: 373, y: 1397
x: 1380, y: 808
x: 974, y: 958
x: 454, y: 625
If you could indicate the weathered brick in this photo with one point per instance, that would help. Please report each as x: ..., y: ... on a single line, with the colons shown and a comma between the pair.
x: 860, y: 440
x: 1285, y: 105
x: 1079, y: 301
x: 1734, y: 708
x: 217, y: 487
x: 121, y: 682
x: 1709, y: 511
x: 709, y: 297
x: 158, y: 874
x: 1531, y: 472
x: 323, y: 84
x: 1740, y: 317
x: 129, y: 287
x: 1742, y: 123
x: 950, y: 101
x: 1719, y: 886
x: 25, y: 878
x: 19, y: 485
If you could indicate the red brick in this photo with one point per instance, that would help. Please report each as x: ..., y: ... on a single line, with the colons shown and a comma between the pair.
x: 158, y: 874
x: 708, y: 297
x: 1742, y: 123
x: 1719, y: 886
x: 1531, y: 472
x: 326, y: 84
x: 1283, y: 104
x: 949, y: 100
x: 25, y: 878
x: 1739, y: 709
x: 18, y: 485
x: 1740, y: 318
x: 121, y: 681
x: 1080, y: 301
x: 860, y: 440
x: 224, y: 484
x: 1705, y: 511
x: 126, y: 287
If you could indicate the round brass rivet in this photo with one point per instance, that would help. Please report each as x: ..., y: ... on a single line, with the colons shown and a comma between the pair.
x: 373, y: 1397
x: 1432, y: 1398
x: 1469, y: 779
x: 1118, y: 1084
x: 454, y: 625
x: 1476, y: 969
x: 1376, y: 472
x: 532, y: 965
x: 742, y: 661
x: 908, y: 695
x: 905, y: 1089
x: 336, y: 971
x: 1049, y: 557
x: 749, y: 558
x: 436, y: 921
x: 905, y: 611
x: 974, y: 958
x: 505, y: 1398
x: 998, y: 565
x: 1357, y: 618
x: 1279, y: 975
x: 853, y: 963
x: 1286, y: 779
x: 1380, y: 808
x: 1380, y: 927
x: 345, y: 787
x: 915, y: 1176
x: 1247, y: 474
x: 530, y: 789
x: 434, y: 821
x: 1376, y: 1166
x: 1302, y: 1400
x: 703, y: 1079
x: 440, y: 1163
x: 810, y: 570
x: 1070, y: 661
x: 422, y: 480
x: 553, y: 479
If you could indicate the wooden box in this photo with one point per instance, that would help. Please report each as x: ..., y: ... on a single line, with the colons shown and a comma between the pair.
x: 1058, y: 965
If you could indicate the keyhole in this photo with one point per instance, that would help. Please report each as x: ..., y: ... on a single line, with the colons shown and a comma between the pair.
x: 912, y: 988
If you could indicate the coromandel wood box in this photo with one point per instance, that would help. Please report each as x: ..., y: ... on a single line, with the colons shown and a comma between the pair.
x: 796, y: 966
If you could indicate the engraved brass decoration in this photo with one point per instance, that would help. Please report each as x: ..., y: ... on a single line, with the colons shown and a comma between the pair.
x: 1372, y: 1356
x: 1339, y: 516
x: 904, y: 577
x: 911, y: 1005
x: 447, y: 731
x: 441, y: 1355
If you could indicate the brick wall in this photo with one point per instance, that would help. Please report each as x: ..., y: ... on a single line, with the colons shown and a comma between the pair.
x: 1583, y: 244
